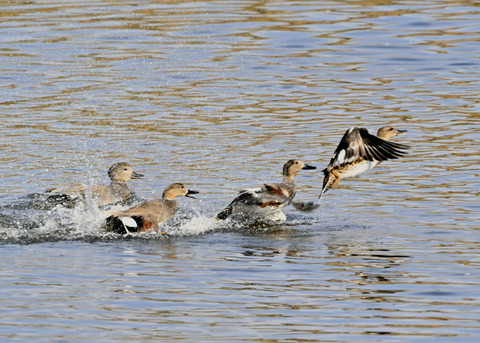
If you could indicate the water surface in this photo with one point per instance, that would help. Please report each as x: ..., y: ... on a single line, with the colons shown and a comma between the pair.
x: 220, y: 95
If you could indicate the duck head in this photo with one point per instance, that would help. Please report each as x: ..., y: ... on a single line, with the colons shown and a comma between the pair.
x: 122, y: 172
x: 388, y: 132
x: 177, y: 189
x: 292, y: 167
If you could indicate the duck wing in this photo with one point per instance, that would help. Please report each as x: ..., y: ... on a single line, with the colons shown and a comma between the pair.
x: 359, y: 143
x: 262, y: 196
x: 267, y: 195
x: 146, y: 215
x: 72, y: 191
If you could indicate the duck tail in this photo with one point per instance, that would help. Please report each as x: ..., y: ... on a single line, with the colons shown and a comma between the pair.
x: 114, y: 224
x: 122, y: 225
x: 57, y: 199
x: 222, y: 215
x: 328, y: 181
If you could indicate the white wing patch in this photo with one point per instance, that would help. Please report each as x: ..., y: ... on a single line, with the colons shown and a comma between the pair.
x: 341, y: 157
x: 128, y: 221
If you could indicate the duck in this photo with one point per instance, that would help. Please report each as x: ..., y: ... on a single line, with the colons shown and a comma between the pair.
x: 148, y: 215
x: 359, y: 151
x: 116, y: 192
x: 267, y: 201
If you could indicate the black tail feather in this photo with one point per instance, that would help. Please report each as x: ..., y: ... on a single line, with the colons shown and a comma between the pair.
x: 115, y: 224
x: 225, y: 213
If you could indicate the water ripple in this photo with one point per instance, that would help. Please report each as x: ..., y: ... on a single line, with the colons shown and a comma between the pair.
x: 220, y: 95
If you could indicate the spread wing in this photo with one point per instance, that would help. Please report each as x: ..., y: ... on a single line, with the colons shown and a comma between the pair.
x: 358, y: 143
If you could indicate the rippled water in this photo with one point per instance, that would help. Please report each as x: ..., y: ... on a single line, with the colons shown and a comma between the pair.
x: 220, y: 95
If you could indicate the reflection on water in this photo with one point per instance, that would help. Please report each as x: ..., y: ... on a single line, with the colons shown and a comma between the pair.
x: 220, y: 96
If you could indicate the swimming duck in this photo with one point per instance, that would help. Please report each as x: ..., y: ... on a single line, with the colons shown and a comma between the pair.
x: 116, y: 191
x: 267, y: 201
x: 359, y: 151
x: 148, y: 215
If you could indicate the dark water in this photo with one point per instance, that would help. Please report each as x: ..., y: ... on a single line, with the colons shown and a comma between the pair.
x: 220, y: 95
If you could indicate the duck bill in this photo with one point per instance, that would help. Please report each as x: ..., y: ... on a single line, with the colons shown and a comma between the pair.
x: 307, y: 167
x: 136, y: 175
x: 189, y: 194
x: 401, y: 132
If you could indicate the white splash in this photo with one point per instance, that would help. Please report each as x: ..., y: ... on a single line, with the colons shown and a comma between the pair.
x: 197, y: 225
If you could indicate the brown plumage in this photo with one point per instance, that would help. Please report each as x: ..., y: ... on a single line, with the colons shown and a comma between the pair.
x: 359, y: 151
x: 267, y: 201
x: 148, y: 215
x: 116, y: 191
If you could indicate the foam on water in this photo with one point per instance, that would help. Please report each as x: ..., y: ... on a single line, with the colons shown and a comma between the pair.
x: 27, y: 221
x: 198, y: 225
x: 219, y: 95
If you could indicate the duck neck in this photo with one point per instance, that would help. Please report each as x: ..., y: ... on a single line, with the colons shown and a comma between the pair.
x: 171, y: 204
x: 167, y: 196
x: 119, y: 185
x: 384, y: 135
x: 289, y: 185
x: 288, y: 174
